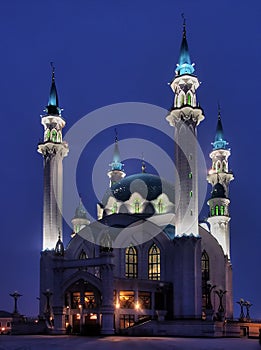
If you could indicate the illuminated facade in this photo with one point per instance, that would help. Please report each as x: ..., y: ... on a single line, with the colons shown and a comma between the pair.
x: 132, y: 265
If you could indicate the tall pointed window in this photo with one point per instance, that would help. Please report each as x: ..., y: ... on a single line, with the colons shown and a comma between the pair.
x: 154, y: 262
x: 205, y: 277
x: 131, y: 262
x: 83, y: 255
x: 136, y: 206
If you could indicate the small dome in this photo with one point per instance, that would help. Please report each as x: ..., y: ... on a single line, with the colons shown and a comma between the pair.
x: 147, y: 185
x: 218, y: 191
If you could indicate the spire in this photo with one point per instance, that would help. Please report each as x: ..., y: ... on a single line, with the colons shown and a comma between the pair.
x: 116, y: 161
x: 53, y: 106
x: 80, y: 212
x: 184, y: 65
x: 59, y: 248
x: 143, y: 165
x: 220, y: 142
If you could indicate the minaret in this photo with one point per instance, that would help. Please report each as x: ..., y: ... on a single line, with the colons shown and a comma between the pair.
x: 185, y: 116
x: 219, y: 177
x: 79, y: 220
x: 53, y: 149
x: 116, y: 173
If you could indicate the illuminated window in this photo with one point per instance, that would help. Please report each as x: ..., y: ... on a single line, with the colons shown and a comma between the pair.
x: 182, y: 98
x: 189, y: 99
x: 47, y: 135
x: 136, y: 206
x: 205, y: 277
x: 114, y: 208
x: 144, y: 300
x: 89, y: 300
x: 83, y: 255
x: 54, y: 135
x: 222, y: 210
x: 126, y: 298
x: 191, y: 193
x: 190, y: 175
x: 59, y: 136
x: 131, y: 262
x: 126, y: 321
x: 217, y: 210
x: 154, y: 263
x: 212, y: 211
x: 160, y: 206
x: 76, y: 300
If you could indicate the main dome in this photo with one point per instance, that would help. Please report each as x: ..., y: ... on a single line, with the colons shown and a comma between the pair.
x: 147, y: 185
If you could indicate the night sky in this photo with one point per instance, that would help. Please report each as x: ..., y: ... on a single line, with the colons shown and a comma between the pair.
x: 115, y: 51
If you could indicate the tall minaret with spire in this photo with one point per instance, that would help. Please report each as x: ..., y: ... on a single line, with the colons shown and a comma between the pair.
x: 219, y: 177
x: 185, y: 116
x: 116, y: 173
x: 53, y: 150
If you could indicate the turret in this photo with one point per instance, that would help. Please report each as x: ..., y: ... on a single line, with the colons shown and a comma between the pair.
x: 79, y: 220
x: 219, y: 177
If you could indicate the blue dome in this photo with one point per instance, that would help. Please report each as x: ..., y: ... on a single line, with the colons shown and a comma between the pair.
x: 147, y: 185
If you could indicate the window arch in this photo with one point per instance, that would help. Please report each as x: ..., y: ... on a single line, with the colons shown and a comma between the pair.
x: 154, y: 262
x: 83, y: 255
x: 224, y: 166
x: 59, y: 136
x: 216, y: 210
x: 205, y: 277
x: 131, y: 262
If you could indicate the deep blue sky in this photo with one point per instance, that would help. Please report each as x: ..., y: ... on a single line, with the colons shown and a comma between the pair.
x: 114, y: 51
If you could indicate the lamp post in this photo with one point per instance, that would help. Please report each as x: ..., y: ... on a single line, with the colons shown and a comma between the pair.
x: 247, y: 304
x: 220, y: 293
x: 16, y: 296
x: 241, y: 303
x: 209, y: 290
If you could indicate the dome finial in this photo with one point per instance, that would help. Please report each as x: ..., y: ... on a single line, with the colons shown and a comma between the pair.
x: 116, y: 161
x: 53, y: 69
x: 143, y: 165
x: 184, y: 25
x: 59, y: 248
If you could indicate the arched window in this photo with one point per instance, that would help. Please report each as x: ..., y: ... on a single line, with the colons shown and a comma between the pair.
x: 54, y: 135
x: 212, y: 211
x: 218, y: 166
x: 224, y: 165
x: 222, y: 210
x: 114, y: 208
x: 205, y: 277
x: 59, y: 136
x: 131, y: 262
x: 136, y: 206
x: 189, y: 99
x: 47, y: 135
x: 217, y: 210
x: 154, y: 262
x: 83, y: 255
x: 160, y: 206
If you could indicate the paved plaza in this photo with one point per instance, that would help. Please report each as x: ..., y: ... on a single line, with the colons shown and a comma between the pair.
x: 125, y: 343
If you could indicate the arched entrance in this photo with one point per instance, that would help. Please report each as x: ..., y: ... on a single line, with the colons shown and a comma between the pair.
x: 82, y: 302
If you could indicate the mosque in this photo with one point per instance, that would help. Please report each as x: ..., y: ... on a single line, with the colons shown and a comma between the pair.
x: 146, y: 263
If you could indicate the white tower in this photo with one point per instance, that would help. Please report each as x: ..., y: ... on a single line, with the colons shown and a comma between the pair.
x: 219, y: 177
x: 53, y: 149
x: 116, y: 173
x: 185, y: 116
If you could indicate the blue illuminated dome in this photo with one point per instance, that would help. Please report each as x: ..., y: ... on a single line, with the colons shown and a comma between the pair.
x: 147, y: 185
